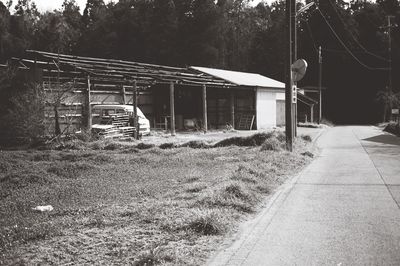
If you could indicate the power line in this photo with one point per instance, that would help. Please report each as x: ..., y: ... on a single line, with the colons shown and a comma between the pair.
x: 342, y: 51
x: 344, y: 45
x: 352, y: 35
x: 311, y: 36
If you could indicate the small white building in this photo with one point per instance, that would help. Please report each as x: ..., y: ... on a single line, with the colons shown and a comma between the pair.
x: 269, y: 94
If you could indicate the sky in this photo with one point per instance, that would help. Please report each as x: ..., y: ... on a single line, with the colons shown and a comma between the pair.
x: 49, y: 5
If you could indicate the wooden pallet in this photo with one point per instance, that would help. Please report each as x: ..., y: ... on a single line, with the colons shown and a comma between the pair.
x: 246, y: 122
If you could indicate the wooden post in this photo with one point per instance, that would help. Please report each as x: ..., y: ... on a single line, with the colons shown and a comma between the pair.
x: 135, y: 116
x: 312, y: 113
x: 172, y: 107
x: 88, y: 106
x: 123, y: 92
x: 205, y: 108
x: 233, y: 109
x: 320, y: 84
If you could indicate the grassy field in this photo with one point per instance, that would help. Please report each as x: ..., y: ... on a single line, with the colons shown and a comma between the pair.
x: 121, y: 204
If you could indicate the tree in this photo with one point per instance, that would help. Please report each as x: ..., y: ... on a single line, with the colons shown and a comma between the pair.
x: 389, y: 100
x: 98, y: 37
x: 4, y: 31
x: 55, y: 34
x: 161, y: 32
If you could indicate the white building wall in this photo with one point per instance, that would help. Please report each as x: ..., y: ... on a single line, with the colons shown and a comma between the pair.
x: 280, y: 96
x: 266, y: 107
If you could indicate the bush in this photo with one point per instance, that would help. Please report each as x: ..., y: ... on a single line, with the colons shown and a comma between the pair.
x: 196, y: 145
x: 165, y: 146
x: 254, y: 140
x: 306, y: 138
x: 24, y: 121
x: 272, y: 144
x: 206, y: 222
x: 144, y: 146
x: 393, y: 128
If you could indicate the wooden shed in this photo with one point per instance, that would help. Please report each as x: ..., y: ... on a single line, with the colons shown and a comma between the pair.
x: 168, y: 96
x: 254, y: 95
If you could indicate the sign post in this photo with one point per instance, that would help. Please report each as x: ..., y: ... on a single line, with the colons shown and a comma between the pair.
x: 396, y: 113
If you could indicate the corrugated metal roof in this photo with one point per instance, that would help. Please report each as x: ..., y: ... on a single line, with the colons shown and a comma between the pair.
x: 242, y: 78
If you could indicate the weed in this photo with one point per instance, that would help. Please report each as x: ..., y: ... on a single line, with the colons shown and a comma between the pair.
x: 265, y: 189
x: 308, y: 154
x: 236, y: 191
x: 97, y: 221
x: 196, y: 145
x: 113, y: 146
x: 41, y: 157
x: 206, y: 222
x: 393, y: 128
x: 129, y: 150
x: 306, y: 138
x: 69, y: 170
x: 144, y: 146
x: 196, y: 188
x: 167, y: 146
x: 192, y: 179
x: 272, y: 144
x: 148, y: 258
x: 230, y: 196
x: 71, y: 145
x: 245, y: 177
x: 254, y: 140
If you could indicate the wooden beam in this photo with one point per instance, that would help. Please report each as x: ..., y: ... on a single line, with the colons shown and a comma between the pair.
x: 136, y: 133
x: 123, y: 94
x: 88, y: 106
x: 205, y: 108
x: 232, y: 102
x: 312, y: 113
x: 172, y: 107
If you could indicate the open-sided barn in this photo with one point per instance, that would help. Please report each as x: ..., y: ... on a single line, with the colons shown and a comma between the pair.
x: 168, y: 96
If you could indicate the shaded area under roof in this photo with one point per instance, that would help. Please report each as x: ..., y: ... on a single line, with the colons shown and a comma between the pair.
x: 306, y: 100
x: 242, y: 78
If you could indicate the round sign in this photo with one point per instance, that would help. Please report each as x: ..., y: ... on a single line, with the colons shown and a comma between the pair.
x: 299, y: 69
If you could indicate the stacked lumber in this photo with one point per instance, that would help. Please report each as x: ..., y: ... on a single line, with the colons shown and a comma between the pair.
x: 113, y: 126
x: 127, y: 131
x: 106, y: 131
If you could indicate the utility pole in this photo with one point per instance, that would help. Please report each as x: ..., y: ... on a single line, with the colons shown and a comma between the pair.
x: 389, y: 19
x: 320, y: 84
x: 290, y: 16
x: 294, y: 29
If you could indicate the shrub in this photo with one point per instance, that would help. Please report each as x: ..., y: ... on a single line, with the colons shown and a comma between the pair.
x: 393, y: 128
x: 306, y: 138
x: 167, y: 146
x: 144, y: 146
x: 196, y: 145
x: 254, y: 140
x: 206, y: 222
x: 24, y: 121
x: 272, y: 144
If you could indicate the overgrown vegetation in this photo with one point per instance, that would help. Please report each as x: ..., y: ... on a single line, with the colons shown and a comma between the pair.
x: 22, y: 119
x: 393, y: 128
x: 124, y: 205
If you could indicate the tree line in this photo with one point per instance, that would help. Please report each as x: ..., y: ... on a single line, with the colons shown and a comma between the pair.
x: 229, y: 34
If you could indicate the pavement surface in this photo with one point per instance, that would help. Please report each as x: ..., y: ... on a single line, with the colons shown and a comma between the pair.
x: 343, y: 209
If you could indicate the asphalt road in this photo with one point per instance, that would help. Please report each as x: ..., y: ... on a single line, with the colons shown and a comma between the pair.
x: 344, y: 209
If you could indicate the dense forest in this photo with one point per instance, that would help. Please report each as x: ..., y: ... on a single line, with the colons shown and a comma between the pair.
x: 230, y: 34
